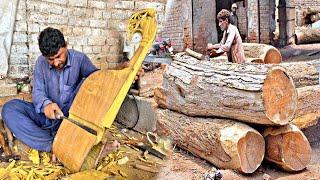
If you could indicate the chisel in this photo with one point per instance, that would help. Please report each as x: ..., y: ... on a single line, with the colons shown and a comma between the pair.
x: 88, y: 129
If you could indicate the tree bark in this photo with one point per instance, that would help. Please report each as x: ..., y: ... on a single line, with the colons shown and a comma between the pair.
x: 225, y: 143
x: 308, y: 109
x: 302, y: 73
x: 149, y: 81
x: 254, y: 93
x: 306, y: 35
x: 287, y: 147
x: 267, y: 53
x: 194, y: 54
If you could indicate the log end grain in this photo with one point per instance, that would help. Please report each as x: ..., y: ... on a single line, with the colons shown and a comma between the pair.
x: 251, y: 151
x: 306, y: 120
x: 279, y: 96
x: 272, y: 56
x: 287, y: 147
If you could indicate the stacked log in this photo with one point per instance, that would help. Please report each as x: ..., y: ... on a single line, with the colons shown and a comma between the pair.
x: 306, y: 35
x: 194, y: 93
x: 261, y: 94
x: 200, y: 104
x: 308, y: 108
x: 302, y: 73
x: 224, y: 143
x: 255, y: 52
x: 287, y: 147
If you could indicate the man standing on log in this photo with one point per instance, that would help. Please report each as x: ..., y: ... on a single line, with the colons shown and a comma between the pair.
x: 231, y: 42
x: 58, y: 75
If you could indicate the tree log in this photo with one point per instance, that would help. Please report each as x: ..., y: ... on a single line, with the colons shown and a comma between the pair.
x: 305, y: 35
x: 149, y: 81
x: 194, y: 54
x: 255, y: 93
x: 302, y: 73
x: 287, y: 147
x: 224, y: 143
x: 267, y: 53
x: 308, y: 109
x: 257, y: 53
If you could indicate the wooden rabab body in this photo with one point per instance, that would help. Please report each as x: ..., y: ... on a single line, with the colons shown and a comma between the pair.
x: 99, y: 99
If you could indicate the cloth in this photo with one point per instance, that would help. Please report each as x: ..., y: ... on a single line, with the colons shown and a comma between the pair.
x: 50, y: 85
x: 32, y: 128
x: 8, y: 10
x: 232, y: 44
x: 234, y: 19
x: 26, y: 120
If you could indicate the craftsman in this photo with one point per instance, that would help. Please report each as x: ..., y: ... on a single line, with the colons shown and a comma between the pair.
x: 57, y: 77
x: 231, y: 42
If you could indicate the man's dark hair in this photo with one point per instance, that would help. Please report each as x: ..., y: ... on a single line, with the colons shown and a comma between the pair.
x: 50, y: 41
x: 224, y: 14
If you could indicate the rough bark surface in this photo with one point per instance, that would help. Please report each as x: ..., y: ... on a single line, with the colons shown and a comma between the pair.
x: 149, y: 81
x: 287, y: 147
x: 306, y: 35
x: 255, y: 93
x: 302, y: 73
x: 308, y: 109
x: 225, y: 143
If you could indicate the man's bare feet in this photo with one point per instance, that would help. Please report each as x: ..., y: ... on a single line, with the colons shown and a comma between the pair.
x: 54, y: 158
x: 110, y: 147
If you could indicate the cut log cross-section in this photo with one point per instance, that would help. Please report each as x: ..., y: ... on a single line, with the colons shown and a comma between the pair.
x: 254, y: 93
x: 287, y: 147
x: 267, y: 53
x: 225, y: 143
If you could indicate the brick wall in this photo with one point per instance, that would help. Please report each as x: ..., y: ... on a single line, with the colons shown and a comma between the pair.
x: 249, y: 21
x: 96, y: 28
x: 204, y: 24
x: 178, y: 23
x: 242, y: 18
x: 190, y: 24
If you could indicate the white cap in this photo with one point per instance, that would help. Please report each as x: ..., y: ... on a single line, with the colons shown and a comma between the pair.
x: 234, y: 5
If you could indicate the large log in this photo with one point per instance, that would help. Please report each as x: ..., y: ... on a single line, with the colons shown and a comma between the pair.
x: 308, y: 109
x: 267, y: 53
x: 287, y: 147
x: 305, y: 35
x: 150, y: 80
x: 255, y: 93
x: 302, y: 73
x: 225, y: 143
x: 257, y: 53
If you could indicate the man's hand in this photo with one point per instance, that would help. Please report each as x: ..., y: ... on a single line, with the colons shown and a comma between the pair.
x: 213, y: 46
x: 139, y: 74
x: 51, y: 109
